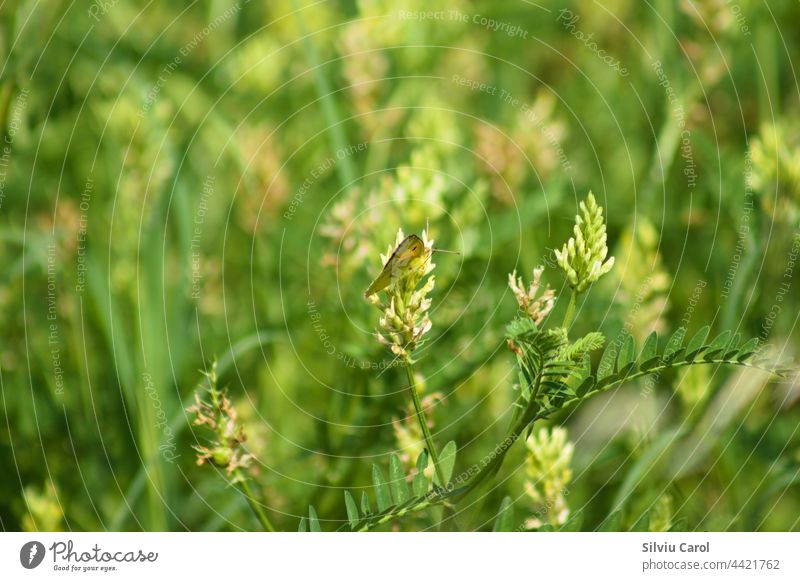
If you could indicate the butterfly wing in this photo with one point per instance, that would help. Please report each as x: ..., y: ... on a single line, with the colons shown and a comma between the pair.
x: 408, y: 249
x: 384, y: 279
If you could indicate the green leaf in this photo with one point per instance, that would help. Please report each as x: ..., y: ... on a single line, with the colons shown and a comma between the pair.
x: 748, y: 349
x: 649, y: 356
x: 397, y: 480
x: 606, y: 366
x: 674, y: 343
x: 352, y: 509
x: 521, y: 328
x: 731, y: 349
x: 524, y: 386
x: 717, y: 345
x: 695, y: 345
x: 366, y: 509
x: 612, y: 522
x: 383, y: 495
x: 585, y: 387
x: 446, y: 462
x: 301, y: 528
x: 627, y: 355
x: 420, y: 483
x: 574, y: 524
x: 580, y: 373
x: 586, y: 344
x: 504, y: 522
x: 313, y: 520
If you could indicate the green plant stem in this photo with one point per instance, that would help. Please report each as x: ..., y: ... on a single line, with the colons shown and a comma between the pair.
x: 512, y: 435
x: 568, y: 316
x: 423, y: 424
x: 514, y: 431
x: 254, y: 505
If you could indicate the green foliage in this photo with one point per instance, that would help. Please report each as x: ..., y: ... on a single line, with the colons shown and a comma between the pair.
x: 584, y: 346
x: 394, y: 499
x: 621, y: 365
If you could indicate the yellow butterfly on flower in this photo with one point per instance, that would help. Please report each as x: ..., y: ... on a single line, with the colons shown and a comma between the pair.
x: 411, y: 248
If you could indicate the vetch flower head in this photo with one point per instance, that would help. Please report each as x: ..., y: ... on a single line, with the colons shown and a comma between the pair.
x: 536, y: 308
x: 582, y: 257
x: 548, y: 471
x: 226, y: 450
x: 405, y: 319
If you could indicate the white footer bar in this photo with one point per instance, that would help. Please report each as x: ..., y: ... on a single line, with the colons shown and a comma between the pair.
x: 390, y: 556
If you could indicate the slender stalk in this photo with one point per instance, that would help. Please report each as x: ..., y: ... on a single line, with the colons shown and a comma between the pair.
x: 494, y: 465
x: 423, y: 424
x: 254, y: 505
x: 573, y: 300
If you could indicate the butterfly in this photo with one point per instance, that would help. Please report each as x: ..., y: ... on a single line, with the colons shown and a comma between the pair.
x: 410, y: 248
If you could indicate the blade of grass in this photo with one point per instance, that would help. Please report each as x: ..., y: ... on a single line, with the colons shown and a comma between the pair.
x: 344, y: 167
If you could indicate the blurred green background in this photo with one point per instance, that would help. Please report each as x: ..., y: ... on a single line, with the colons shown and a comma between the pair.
x: 187, y: 181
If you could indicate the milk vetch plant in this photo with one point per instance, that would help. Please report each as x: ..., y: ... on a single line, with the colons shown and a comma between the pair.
x: 226, y: 448
x: 405, y: 319
x: 554, y: 373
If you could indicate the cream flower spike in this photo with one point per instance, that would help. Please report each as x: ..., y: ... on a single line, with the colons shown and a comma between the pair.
x: 583, y: 257
x: 405, y: 319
